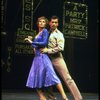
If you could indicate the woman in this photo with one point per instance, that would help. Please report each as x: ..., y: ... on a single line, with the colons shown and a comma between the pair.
x: 42, y: 73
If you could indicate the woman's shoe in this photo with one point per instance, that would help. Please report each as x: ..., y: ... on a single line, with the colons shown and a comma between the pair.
x: 52, y: 97
x: 65, y: 98
x: 43, y: 99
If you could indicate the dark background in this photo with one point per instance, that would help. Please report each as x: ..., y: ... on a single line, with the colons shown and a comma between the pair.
x: 81, y: 56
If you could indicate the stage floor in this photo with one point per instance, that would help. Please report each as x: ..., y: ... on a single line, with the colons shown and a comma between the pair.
x: 33, y: 96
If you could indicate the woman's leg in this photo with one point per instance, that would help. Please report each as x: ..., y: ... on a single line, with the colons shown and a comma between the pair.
x: 41, y: 94
x: 62, y: 92
x: 51, y: 95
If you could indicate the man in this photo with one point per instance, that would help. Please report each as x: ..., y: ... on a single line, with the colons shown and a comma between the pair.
x: 55, y: 46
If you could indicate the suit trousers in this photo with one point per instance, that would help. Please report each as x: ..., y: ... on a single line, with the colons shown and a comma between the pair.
x: 61, y: 67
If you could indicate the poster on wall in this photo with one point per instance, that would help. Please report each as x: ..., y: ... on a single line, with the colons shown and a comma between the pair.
x: 75, y: 20
x: 21, y: 46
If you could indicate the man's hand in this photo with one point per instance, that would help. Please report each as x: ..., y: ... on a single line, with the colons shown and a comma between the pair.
x: 44, y: 50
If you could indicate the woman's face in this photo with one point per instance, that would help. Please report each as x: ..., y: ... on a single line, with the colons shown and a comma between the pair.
x: 42, y: 23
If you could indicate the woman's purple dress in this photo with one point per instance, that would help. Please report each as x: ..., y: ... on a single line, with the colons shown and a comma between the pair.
x: 41, y: 73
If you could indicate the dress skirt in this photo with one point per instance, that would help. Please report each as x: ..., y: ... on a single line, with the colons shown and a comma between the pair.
x: 42, y: 73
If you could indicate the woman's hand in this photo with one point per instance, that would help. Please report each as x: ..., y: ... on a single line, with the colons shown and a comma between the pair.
x: 27, y: 39
x: 30, y: 37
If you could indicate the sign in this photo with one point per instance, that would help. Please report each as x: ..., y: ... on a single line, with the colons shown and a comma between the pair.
x: 75, y: 20
x: 27, y: 15
x: 3, y: 14
x: 22, y: 47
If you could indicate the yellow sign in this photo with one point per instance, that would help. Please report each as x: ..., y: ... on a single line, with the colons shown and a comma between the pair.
x: 75, y: 20
x: 21, y: 47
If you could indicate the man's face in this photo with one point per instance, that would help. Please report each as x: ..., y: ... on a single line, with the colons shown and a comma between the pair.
x: 53, y: 23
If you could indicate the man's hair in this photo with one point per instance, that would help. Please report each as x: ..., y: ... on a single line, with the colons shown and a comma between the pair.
x: 54, y: 17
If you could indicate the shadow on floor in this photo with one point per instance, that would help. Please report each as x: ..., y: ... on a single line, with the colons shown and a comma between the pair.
x: 9, y: 95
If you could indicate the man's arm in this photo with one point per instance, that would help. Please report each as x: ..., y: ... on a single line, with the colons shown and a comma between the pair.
x: 58, y: 48
x: 59, y: 45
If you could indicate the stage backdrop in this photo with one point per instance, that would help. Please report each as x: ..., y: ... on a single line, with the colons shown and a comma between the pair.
x: 81, y: 55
